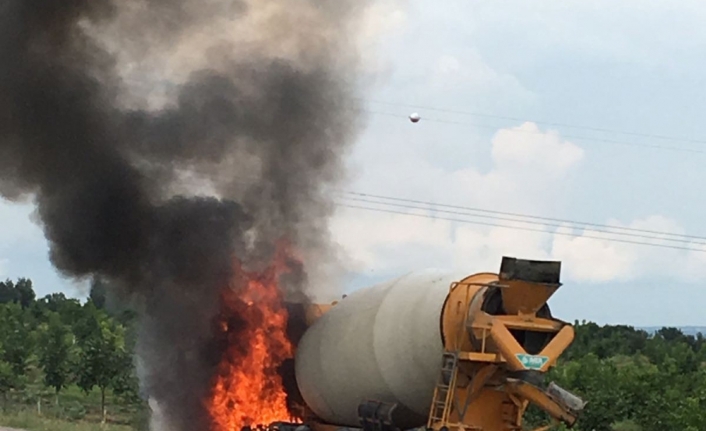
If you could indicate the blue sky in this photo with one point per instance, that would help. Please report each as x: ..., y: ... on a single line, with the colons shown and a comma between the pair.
x: 614, y: 65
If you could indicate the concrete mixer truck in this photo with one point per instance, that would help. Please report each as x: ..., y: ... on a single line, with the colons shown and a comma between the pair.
x: 430, y: 351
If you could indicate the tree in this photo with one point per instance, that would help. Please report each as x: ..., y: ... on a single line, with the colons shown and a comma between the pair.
x: 98, y: 293
x: 56, y: 342
x: 16, y: 337
x: 8, y: 379
x: 126, y: 384
x: 8, y: 293
x: 54, y: 301
x: 69, y: 309
x: 21, y: 292
x: 102, y: 351
x: 24, y: 292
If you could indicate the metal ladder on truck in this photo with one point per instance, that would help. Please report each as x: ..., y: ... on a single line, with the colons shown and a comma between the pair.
x: 444, y: 391
x: 444, y: 399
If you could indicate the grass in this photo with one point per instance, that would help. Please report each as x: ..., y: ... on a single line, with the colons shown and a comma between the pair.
x: 35, y: 409
x: 28, y: 420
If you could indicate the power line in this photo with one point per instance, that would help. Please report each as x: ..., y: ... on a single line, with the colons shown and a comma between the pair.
x: 515, y: 130
x: 522, y: 228
x: 578, y: 224
x: 494, y: 215
x: 535, y: 223
x: 548, y: 123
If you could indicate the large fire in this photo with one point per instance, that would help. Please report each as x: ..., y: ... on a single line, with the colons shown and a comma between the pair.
x: 248, y: 389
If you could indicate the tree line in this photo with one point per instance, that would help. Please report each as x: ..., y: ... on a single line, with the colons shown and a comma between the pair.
x: 633, y: 380
x: 61, y: 341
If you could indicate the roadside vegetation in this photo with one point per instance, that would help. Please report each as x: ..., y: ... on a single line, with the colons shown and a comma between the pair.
x: 66, y: 365
x: 633, y: 380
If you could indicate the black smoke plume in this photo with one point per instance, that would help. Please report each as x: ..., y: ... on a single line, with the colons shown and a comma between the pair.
x: 111, y: 111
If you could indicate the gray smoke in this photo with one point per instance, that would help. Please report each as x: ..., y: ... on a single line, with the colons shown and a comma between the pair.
x: 111, y: 111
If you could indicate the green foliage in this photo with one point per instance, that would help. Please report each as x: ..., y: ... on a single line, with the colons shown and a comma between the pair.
x: 30, y: 421
x: 70, y: 310
x: 102, y: 354
x: 25, y: 292
x: 20, y: 292
x: 16, y: 337
x: 55, y: 344
x: 55, y: 352
x: 125, y: 384
x: 8, y: 379
x: 627, y: 425
x: 8, y: 293
x: 632, y: 380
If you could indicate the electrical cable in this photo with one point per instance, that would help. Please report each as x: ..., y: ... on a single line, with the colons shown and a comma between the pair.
x: 548, y: 123
x: 578, y: 224
x: 494, y: 215
x: 522, y: 228
x: 516, y: 130
x: 558, y: 226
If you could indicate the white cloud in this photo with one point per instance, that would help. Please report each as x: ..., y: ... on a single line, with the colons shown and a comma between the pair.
x: 386, y: 242
x: 589, y: 259
x: 544, y: 151
x: 530, y: 174
x: 467, y: 69
x: 525, y: 165
x: 597, y: 260
x: 462, y: 72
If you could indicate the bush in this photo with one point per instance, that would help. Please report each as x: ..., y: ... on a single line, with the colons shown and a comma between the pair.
x: 626, y: 426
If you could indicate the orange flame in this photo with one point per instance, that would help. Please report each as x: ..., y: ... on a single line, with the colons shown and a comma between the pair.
x: 248, y: 389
